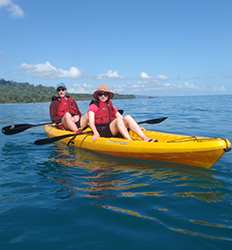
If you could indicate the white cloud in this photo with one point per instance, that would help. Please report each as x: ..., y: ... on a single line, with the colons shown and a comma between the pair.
x: 144, y: 76
x: 14, y: 9
x: 110, y: 74
x: 220, y: 88
x: 80, y: 88
x: 48, y: 70
x: 183, y: 86
x: 188, y: 85
x: 162, y: 77
x: 153, y: 85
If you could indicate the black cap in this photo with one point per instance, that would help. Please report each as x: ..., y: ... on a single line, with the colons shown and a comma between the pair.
x: 61, y: 86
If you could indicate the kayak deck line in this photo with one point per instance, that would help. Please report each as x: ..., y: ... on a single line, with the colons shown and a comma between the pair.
x: 200, y: 139
x: 195, y: 151
x: 192, y: 138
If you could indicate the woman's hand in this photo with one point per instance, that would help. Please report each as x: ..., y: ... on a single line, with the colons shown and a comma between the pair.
x: 92, y: 125
x: 95, y: 136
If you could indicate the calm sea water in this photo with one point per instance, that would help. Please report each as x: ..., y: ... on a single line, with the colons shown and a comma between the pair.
x: 55, y: 197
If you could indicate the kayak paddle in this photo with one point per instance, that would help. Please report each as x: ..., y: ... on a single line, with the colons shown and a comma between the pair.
x: 154, y: 121
x: 17, y: 128
x: 151, y: 121
x: 57, y: 138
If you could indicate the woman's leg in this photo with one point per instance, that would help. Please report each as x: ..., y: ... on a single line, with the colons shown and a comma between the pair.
x: 69, y: 122
x: 133, y: 125
x: 84, y: 122
x: 118, y: 126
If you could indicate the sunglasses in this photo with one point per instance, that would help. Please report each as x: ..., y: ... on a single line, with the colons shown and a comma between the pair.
x: 103, y: 94
x: 61, y: 89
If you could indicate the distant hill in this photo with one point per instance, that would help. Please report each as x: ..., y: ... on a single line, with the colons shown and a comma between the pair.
x: 15, y: 92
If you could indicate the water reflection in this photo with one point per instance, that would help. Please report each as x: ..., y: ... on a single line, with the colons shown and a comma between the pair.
x: 147, y: 191
x: 97, y: 176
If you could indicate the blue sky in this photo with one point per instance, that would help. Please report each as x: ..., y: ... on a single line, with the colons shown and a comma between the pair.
x: 153, y: 47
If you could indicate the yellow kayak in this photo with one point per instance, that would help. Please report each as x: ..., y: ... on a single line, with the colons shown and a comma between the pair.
x: 188, y: 150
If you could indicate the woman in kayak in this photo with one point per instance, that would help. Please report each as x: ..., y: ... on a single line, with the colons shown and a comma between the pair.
x: 106, y: 121
x: 65, y: 113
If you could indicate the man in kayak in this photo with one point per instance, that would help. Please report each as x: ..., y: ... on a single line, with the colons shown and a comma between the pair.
x: 106, y: 121
x: 65, y: 113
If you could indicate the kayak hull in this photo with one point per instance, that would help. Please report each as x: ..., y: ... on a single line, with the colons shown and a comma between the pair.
x: 181, y: 149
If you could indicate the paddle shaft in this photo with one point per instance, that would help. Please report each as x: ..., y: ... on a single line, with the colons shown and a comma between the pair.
x: 57, y: 138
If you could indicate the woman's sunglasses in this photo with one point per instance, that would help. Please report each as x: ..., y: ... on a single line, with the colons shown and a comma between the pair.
x: 106, y: 94
x: 61, y: 89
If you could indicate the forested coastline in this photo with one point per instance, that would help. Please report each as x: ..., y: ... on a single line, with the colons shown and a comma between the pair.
x: 23, y: 92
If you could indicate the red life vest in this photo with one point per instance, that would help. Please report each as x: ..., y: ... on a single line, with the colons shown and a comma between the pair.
x: 60, y: 106
x: 105, y: 114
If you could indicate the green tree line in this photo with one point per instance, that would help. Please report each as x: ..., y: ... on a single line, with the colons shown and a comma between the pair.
x: 23, y: 92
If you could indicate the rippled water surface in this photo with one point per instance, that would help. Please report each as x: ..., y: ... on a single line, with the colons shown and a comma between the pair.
x: 58, y: 197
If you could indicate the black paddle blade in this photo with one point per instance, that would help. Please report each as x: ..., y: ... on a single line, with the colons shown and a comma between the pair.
x: 153, y: 121
x: 52, y: 139
x: 14, y: 129
x: 17, y: 128
x: 57, y: 138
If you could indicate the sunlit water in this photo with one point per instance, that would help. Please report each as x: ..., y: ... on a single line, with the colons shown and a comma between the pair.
x: 58, y: 197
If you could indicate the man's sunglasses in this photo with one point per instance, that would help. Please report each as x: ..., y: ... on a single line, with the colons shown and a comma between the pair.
x: 61, y: 89
x: 103, y: 93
